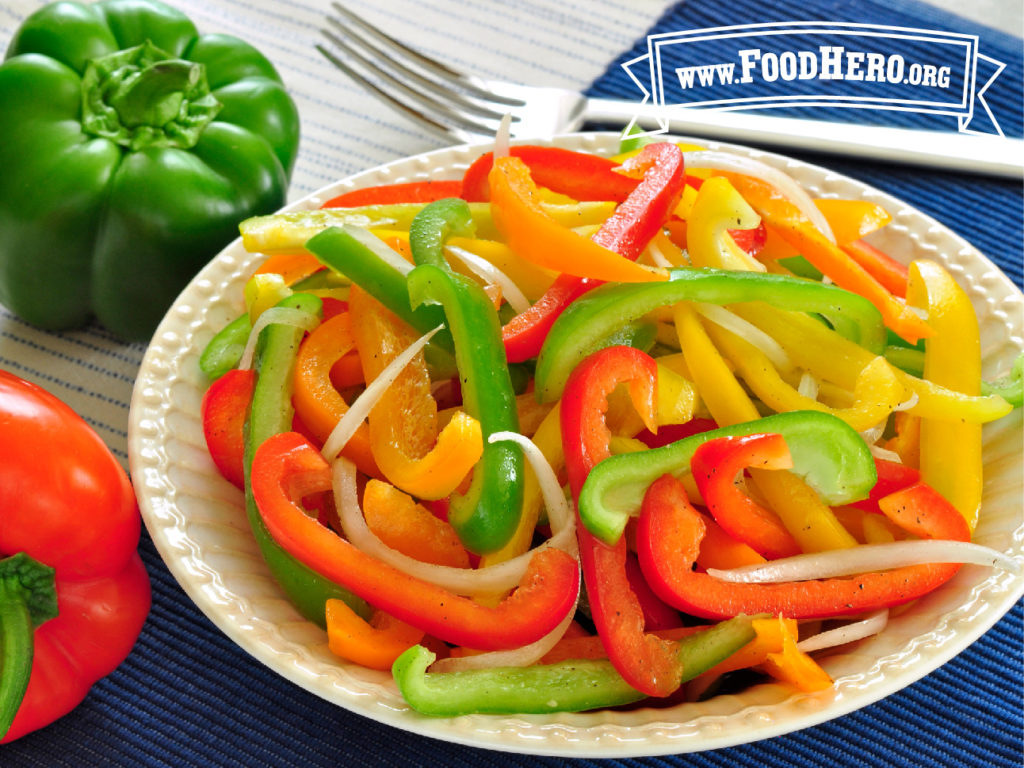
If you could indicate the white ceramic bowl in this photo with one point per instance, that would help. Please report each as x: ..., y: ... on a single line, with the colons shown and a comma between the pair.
x: 197, y: 522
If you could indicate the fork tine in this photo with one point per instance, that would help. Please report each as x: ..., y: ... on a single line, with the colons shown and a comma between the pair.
x: 440, y: 131
x: 444, y: 92
x: 446, y: 74
x: 444, y: 116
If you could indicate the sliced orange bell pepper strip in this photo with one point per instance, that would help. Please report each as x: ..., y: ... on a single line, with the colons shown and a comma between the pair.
x: 317, y: 403
x: 291, y: 266
x: 539, y: 239
x: 375, y: 643
x: 780, y: 214
x: 793, y: 666
x: 403, y: 431
x: 885, y: 269
x: 397, y: 520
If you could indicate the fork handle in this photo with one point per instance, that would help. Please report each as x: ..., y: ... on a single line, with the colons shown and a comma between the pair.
x: 982, y: 154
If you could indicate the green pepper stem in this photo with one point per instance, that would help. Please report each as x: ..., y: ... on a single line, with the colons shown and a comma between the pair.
x: 154, y: 95
x: 16, y: 637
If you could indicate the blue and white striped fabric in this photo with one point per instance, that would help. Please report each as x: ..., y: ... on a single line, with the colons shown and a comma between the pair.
x: 187, y: 696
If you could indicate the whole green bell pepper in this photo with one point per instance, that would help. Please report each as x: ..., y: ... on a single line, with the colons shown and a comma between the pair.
x: 132, y: 147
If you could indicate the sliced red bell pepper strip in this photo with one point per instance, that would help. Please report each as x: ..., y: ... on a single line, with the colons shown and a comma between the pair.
x: 892, y: 477
x: 224, y: 409
x: 715, y: 465
x: 626, y: 232
x: 885, y: 269
x: 288, y: 467
x: 668, y: 539
x: 579, y: 175
x: 646, y: 662
x: 389, y: 194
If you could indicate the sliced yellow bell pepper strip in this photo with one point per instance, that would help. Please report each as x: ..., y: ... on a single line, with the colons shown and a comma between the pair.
x: 403, y: 430
x: 876, y: 393
x: 717, y: 209
x: 805, y: 516
x: 783, y: 216
x: 828, y: 355
x: 535, y: 236
x: 851, y: 220
x: 532, y: 280
x: 950, y: 450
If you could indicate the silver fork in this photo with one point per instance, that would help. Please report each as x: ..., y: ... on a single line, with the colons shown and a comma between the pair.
x: 455, y: 106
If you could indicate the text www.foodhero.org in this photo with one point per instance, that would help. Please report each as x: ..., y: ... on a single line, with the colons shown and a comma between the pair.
x: 829, y: 62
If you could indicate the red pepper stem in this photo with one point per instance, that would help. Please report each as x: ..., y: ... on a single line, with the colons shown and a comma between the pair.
x: 17, y: 635
x: 28, y: 597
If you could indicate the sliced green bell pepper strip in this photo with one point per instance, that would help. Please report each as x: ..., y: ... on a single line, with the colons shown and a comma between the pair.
x: 269, y: 414
x: 359, y: 256
x: 486, y: 516
x: 591, y: 318
x: 827, y: 452
x: 568, y: 686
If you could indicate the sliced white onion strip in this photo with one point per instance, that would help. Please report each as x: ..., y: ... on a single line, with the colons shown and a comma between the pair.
x: 783, y: 182
x: 867, y: 558
x: 808, y: 386
x: 872, y: 435
x: 858, y: 630
x: 501, y: 136
x: 299, y: 318
x: 489, y: 273
x: 885, y: 454
x: 746, y: 330
x: 360, y: 409
x: 516, y: 657
x: 463, y: 581
x: 658, y: 257
x: 909, y: 403
x: 559, y: 511
x: 380, y: 249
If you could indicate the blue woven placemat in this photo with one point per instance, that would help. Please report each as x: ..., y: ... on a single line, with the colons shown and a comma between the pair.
x: 187, y: 696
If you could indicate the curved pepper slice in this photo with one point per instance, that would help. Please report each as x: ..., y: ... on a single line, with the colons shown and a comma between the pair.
x: 950, y: 450
x: 271, y: 412
x: 831, y: 457
x: 708, y: 237
x: 487, y: 515
x: 592, y: 318
x: 668, y: 539
x: 567, y: 686
x: 626, y: 232
x: 645, y: 661
x: 715, y: 465
x: 223, y: 411
x: 375, y: 643
x: 876, y: 393
x: 580, y: 175
x: 403, y: 430
x: 288, y: 467
x: 389, y: 194
x: 317, y: 402
x: 538, y: 238
x: 785, y: 218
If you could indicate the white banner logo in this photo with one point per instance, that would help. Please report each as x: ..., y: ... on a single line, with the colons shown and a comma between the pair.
x: 815, y: 64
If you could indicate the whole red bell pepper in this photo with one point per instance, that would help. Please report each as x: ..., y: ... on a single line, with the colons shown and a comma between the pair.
x: 287, y: 467
x: 670, y: 531
x: 645, y: 661
x: 67, y: 504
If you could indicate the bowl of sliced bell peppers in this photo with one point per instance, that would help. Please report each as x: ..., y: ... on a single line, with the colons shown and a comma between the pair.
x: 521, y: 451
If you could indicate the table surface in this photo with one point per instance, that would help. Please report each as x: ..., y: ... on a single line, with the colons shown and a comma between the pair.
x: 565, y: 43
